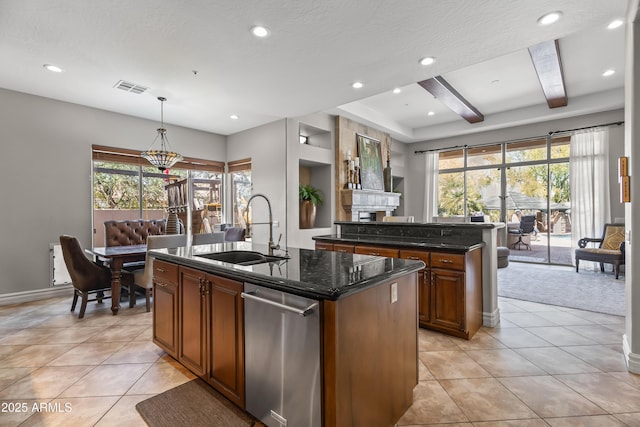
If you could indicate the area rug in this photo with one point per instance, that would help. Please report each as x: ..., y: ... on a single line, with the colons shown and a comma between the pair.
x: 192, y: 404
x: 562, y: 286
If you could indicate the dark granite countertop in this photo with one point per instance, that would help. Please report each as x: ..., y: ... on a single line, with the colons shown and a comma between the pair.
x: 402, y: 242
x: 427, y: 224
x: 313, y: 274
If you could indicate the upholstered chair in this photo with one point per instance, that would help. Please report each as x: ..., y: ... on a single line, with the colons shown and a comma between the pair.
x: 87, y: 276
x: 609, y: 249
x: 143, y: 278
x: 234, y: 234
x: 207, y: 238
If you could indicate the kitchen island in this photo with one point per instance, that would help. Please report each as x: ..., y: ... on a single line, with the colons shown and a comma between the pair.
x: 344, y: 330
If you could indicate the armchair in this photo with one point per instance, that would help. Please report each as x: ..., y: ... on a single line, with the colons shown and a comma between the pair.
x: 610, y: 249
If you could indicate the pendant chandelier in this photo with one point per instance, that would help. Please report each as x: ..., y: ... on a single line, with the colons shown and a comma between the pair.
x: 162, y: 159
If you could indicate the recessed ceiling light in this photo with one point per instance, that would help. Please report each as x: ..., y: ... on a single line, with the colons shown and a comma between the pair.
x: 397, y: 90
x: 260, y: 31
x: 357, y: 85
x: 615, y: 24
x: 234, y: 117
x: 608, y: 73
x: 549, y: 18
x: 428, y: 60
x: 430, y: 113
x: 53, y: 68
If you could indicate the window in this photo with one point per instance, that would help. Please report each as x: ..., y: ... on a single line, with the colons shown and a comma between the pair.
x: 241, y: 190
x: 125, y: 186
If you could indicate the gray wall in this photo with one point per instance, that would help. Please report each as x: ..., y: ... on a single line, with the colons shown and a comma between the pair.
x: 266, y: 145
x: 414, y: 173
x: 46, y: 175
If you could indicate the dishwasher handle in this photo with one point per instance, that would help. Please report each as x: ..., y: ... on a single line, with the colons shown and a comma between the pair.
x: 302, y: 312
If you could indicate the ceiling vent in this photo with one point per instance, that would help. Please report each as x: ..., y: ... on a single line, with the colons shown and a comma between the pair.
x: 130, y: 87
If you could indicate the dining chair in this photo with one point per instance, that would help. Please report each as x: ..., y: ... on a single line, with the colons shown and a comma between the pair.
x: 143, y: 278
x: 87, y: 276
x: 207, y: 238
x: 234, y: 234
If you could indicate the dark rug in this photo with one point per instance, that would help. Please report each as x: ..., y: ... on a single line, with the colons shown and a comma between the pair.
x: 192, y: 404
x: 562, y: 286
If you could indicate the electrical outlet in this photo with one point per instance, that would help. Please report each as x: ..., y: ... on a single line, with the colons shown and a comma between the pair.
x: 276, y: 224
x: 394, y: 292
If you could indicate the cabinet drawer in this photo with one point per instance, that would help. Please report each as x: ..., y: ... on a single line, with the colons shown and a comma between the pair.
x: 339, y: 247
x: 322, y: 246
x: 377, y: 251
x: 165, y: 271
x: 418, y: 255
x: 448, y: 261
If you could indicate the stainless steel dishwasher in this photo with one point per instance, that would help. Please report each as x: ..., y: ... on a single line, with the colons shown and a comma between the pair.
x: 282, y: 357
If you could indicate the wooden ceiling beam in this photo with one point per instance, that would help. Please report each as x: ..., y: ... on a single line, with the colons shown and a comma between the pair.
x: 445, y: 93
x: 548, y: 65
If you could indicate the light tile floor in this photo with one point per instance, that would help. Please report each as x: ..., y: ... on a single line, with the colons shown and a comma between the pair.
x: 542, y: 366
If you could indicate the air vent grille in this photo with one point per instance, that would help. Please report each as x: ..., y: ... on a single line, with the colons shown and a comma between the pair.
x: 130, y: 87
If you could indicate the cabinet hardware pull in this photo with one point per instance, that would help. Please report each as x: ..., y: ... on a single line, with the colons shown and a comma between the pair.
x: 374, y: 253
x: 342, y: 250
x: 162, y: 285
x: 161, y: 270
x: 414, y: 257
x: 302, y: 312
x: 446, y: 261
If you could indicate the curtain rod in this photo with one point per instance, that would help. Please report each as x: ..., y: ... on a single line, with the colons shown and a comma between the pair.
x: 520, y: 139
x: 587, y: 127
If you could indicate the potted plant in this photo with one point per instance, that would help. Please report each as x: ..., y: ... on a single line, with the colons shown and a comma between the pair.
x: 310, y: 197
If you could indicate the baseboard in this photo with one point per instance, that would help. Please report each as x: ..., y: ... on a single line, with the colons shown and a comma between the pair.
x: 491, y: 320
x: 38, y: 294
x: 632, y: 359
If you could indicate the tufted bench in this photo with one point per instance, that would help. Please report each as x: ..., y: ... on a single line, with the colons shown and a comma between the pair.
x: 132, y: 232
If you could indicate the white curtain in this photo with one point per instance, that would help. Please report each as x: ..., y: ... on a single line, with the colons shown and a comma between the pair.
x: 589, y: 181
x: 430, y: 186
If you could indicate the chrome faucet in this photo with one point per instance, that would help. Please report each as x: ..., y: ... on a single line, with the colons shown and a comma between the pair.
x: 272, y: 245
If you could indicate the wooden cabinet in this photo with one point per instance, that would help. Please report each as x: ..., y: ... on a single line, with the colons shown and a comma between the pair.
x: 377, y: 251
x: 424, y: 281
x: 165, y: 306
x: 449, y: 287
x: 192, y: 323
x: 206, y: 326
x: 226, y: 332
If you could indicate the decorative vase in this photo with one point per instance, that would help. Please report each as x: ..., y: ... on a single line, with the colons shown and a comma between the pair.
x: 307, y: 214
x: 387, y: 178
x: 173, y: 225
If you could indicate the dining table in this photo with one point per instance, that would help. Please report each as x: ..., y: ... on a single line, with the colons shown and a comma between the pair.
x: 116, y: 257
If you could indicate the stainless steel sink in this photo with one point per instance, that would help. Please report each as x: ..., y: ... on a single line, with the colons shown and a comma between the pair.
x: 242, y: 257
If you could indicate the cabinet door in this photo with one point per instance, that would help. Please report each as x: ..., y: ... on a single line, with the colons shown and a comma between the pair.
x: 424, y: 278
x: 165, y: 316
x: 165, y: 306
x: 226, y: 349
x: 377, y: 251
x: 447, y: 299
x: 192, y: 323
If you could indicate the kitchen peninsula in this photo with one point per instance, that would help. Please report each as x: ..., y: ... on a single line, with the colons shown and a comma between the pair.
x: 457, y: 289
x: 342, y: 326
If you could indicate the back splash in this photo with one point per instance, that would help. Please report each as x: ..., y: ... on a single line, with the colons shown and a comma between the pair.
x: 454, y: 234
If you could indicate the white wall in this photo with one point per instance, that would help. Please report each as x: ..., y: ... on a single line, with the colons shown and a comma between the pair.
x: 414, y: 165
x: 266, y: 146
x: 46, y: 175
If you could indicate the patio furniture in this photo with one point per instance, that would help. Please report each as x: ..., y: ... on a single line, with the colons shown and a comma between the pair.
x: 527, y: 226
x: 503, y: 256
x: 610, y: 249
x: 207, y: 238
